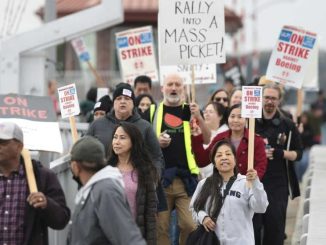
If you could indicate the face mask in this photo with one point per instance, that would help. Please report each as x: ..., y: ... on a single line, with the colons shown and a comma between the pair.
x: 77, y: 179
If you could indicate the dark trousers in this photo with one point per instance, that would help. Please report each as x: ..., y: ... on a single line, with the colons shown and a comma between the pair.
x: 269, y: 227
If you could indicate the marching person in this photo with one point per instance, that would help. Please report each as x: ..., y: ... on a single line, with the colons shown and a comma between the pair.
x: 102, y: 214
x: 231, y: 218
x: 130, y: 155
x: 284, y: 147
x: 25, y: 217
x: 124, y: 110
x: 238, y: 134
x: 171, y: 122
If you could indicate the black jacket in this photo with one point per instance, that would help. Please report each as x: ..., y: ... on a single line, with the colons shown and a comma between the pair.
x: 56, y: 215
x: 281, y: 173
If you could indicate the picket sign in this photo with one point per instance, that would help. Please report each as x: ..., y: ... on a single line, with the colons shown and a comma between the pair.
x: 83, y: 54
x: 69, y: 107
x: 193, y: 34
x: 251, y: 107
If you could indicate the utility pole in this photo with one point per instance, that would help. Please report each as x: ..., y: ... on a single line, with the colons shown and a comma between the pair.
x: 50, y: 14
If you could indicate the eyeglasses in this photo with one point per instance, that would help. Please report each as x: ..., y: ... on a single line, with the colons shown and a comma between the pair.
x: 271, y: 98
x: 218, y: 99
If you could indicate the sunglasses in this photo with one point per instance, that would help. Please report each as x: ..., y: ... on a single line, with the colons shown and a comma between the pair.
x: 218, y: 99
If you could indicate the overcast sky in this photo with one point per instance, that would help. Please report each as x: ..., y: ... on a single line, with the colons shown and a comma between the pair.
x: 271, y: 16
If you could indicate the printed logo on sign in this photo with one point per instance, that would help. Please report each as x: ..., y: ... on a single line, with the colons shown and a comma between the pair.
x: 257, y: 92
x: 122, y: 42
x: 146, y: 37
x: 72, y: 91
x: 308, y: 42
x: 285, y: 35
x: 84, y: 56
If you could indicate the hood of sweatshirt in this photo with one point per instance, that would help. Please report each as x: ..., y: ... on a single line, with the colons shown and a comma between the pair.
x: 107, y: 172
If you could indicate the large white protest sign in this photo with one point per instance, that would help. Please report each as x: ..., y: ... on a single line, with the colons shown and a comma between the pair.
x: 203, y: 73
x: 251, y: 105
x: 80, y: 49
x: 68, y: 99
x: 35, y: 115
x: 136, y: 54
x: 292, y: 56
x: 191, y: 32
x: 310, y: 81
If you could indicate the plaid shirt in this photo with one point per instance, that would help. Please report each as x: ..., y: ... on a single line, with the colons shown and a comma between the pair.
x: 13, y: 194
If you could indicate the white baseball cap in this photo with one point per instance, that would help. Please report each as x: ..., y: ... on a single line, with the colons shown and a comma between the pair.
x: 10, y: 130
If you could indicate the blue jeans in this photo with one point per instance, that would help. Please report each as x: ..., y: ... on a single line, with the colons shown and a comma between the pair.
x: 174, y: 229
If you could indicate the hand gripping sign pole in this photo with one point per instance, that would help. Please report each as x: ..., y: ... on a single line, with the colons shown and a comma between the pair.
x: 69, y: 106
x: 29, y: 171
x: 251, y: 108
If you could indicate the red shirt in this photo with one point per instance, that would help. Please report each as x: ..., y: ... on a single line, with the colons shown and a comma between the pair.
x: 260, y: 160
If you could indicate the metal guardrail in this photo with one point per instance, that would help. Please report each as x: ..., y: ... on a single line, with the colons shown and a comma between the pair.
x: 310, y: 225
x: 61, y: 168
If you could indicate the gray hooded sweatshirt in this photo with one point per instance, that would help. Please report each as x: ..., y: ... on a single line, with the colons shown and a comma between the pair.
x: 102, y: 215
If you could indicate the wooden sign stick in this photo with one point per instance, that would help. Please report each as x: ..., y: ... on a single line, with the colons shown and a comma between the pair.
x: 251, y: 145
x: 299, y: 104
x: 73, y: 128
x: 29, y: 171
x: 193, y: 89
x: 99, y: 81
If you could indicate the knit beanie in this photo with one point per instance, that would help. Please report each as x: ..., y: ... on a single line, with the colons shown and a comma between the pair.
x: 124, y: 89
x: 104, y: 104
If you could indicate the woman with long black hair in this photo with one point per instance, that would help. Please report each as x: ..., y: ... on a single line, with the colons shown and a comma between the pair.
x: 129, y: 154
x: 228, y: 214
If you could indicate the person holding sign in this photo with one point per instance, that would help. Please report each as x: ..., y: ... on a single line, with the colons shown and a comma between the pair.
x: 25, y: 217
x: 284, y: 147
x: 236, y: 208
x: 238, y: 135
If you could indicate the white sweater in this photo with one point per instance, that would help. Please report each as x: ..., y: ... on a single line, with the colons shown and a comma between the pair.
x: 234, y: 223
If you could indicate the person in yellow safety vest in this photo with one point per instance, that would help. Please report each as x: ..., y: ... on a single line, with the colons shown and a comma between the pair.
x: 171, y: 123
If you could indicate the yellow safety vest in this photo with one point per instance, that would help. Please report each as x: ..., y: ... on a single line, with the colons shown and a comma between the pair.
x: 157, y: 124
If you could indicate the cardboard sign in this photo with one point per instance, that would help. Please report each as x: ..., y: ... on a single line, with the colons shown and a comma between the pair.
x: 80, y: 49
x: 251, y: 104
x: 310, y: 81
x: 101, y: 92
x: 203, y: 73
x: 136, y: 54
x: 191, y: 32
x: 69, y: 105
x: 292, y: 56
x: 36, y: 117
x: 231, y: 69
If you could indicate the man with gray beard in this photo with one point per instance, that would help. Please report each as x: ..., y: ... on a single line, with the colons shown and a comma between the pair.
x: 171, y: 123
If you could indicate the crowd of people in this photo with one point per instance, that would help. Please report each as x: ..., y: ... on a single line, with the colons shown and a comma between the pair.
x: 150, y: 172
